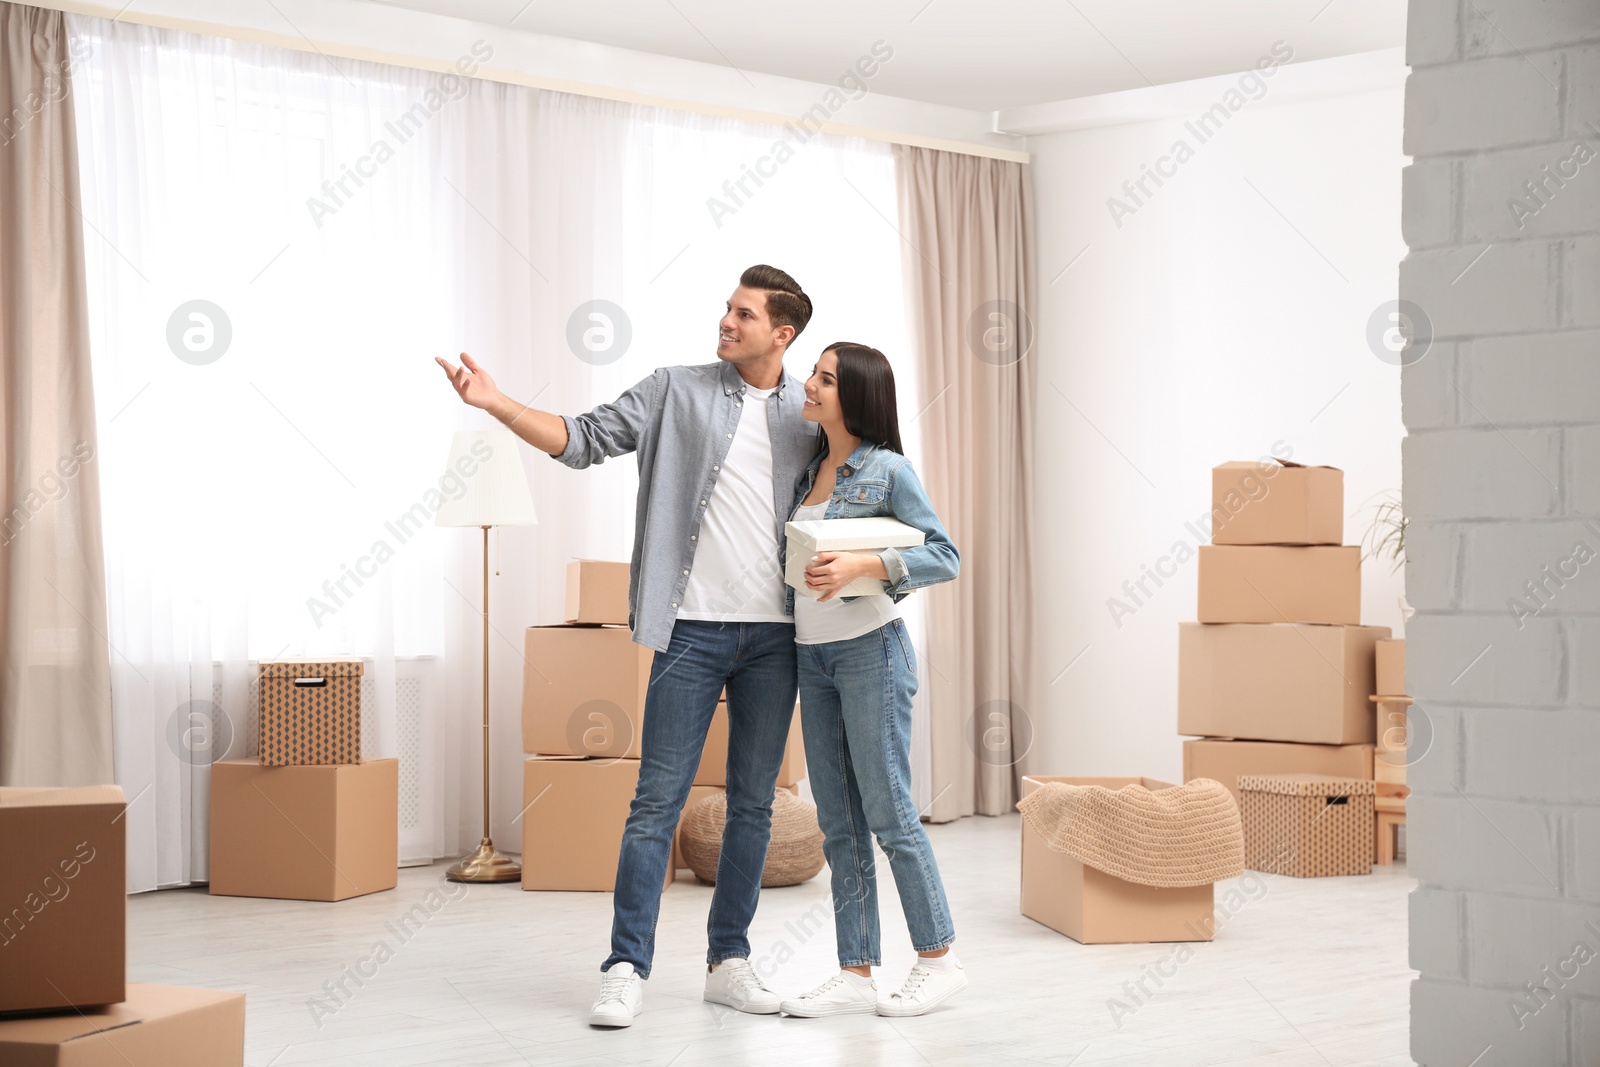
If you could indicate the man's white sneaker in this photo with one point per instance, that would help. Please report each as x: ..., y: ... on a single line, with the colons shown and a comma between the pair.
x: 839, y: 995
x: 926, y: 988
x: 621, y: 997
x: 735, y: 983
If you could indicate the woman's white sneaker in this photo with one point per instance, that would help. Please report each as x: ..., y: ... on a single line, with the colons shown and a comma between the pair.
x: 839, y: 995
x: 926, y: 988
x: 734, y: 983
x: 621, y: 997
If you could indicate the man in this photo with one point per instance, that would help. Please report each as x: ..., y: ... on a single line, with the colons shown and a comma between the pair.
x: 720, y: 449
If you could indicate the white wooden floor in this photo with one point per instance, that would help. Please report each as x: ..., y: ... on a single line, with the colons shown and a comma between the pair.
x: 1308, y: 972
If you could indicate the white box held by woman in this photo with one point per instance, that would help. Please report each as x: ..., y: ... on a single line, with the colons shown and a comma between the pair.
x: 807, y: 537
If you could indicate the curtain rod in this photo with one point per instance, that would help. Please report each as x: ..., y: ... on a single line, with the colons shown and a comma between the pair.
x: 252, y: 35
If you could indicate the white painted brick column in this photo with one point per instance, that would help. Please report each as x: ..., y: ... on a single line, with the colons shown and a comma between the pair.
x: 1501, y: 212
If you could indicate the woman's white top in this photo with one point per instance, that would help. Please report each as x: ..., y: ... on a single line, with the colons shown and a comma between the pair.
x: 818, y: 622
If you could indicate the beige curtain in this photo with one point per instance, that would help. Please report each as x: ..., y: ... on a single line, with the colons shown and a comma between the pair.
x: 968, y: 229
x: 55, y: 691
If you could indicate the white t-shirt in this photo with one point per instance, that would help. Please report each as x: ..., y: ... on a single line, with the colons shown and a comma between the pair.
x: 735, y: 576
x: 817, y: 622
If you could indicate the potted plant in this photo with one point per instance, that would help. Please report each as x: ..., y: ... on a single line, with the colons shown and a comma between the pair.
x: 1386, y: 538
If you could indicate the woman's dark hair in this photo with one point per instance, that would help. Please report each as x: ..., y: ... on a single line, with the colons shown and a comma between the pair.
x: 866, y: 394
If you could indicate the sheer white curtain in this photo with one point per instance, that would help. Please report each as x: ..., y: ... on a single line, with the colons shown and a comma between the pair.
x: 344, y: 223
x: 259, y: 446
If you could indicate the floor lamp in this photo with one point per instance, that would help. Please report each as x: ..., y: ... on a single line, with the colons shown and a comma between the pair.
x: 489, y: 463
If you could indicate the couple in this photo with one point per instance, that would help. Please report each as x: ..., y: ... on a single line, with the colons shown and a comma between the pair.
x: 727, y: 453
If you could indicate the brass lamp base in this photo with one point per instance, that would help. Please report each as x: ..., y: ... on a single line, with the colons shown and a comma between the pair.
x: 487, y: 864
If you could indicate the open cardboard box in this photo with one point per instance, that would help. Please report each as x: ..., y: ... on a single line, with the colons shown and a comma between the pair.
x: 1096, y: 908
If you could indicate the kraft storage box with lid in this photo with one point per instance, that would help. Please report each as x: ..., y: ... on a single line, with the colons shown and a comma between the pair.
x: 1277, y: 681
x: 310, y: 711
x: 1280, y: 583
x: 583, y: 691
x: 156, y: 1026
x: 806, y: 537
x: 1225, y: 760
x: 1092, y: 906
x: 63, y: 885
x: 1307, y: 825
x: 597, y: 592
x: 304, y: 833
x: 1276, y: 503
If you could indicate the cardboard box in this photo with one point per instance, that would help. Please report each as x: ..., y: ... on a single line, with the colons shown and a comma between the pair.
x: 310, y: 711
x: 583, y: 690
x: 696, y: 794
x: 1096, y: 908
x: 63, y: 883
x: 1275, y: 583
x: 597, y: 592
x: 807, y: 537
x: 1225, y: 761
x: 1390, y: 656
x: 575, y: 809
x: 157, y: 1026
x: 1307, y: 825
x: 1279, y: 503
x: 714, y: 760
x: 1277, y: 682
x: 304, y: 833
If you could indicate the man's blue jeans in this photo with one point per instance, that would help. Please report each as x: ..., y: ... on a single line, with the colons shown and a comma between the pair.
x: 756, y: 662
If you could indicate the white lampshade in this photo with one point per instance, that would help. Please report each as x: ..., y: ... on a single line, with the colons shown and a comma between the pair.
x: 497, y: 487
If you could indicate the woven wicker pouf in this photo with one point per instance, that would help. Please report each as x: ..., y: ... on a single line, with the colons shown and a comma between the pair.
x: 794, y: 855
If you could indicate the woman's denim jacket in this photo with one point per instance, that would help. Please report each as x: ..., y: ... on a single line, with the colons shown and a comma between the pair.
x: 879, y: 481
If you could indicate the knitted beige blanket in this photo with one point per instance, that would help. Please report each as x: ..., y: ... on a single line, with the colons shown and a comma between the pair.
x: 1187, y: 835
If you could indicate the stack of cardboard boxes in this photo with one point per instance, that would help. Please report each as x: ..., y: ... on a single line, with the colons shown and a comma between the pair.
x: 309, y: 819
x: 64, y: 997
x: 583, y: 697
x: 1276, y: 675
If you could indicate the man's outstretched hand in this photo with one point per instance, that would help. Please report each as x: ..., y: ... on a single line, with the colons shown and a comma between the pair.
x: 472, y: 382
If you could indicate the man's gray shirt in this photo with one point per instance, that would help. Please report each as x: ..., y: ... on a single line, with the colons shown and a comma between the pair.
x: 680, y: 423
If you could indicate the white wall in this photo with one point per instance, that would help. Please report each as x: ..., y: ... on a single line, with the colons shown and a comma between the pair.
x: 1502, y: 214
x: 1227, y: 314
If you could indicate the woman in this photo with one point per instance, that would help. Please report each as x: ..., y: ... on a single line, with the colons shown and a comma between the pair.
x: 857, y: 676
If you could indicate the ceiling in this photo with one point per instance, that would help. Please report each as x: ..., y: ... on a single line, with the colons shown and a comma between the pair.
x: 977, y: 54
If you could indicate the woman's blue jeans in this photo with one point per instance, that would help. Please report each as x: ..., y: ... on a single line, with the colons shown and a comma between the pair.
x: 855, y: 713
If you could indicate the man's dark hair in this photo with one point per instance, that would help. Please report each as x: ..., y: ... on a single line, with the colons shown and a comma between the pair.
x: 787, y: 303
x: 866, y: 394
